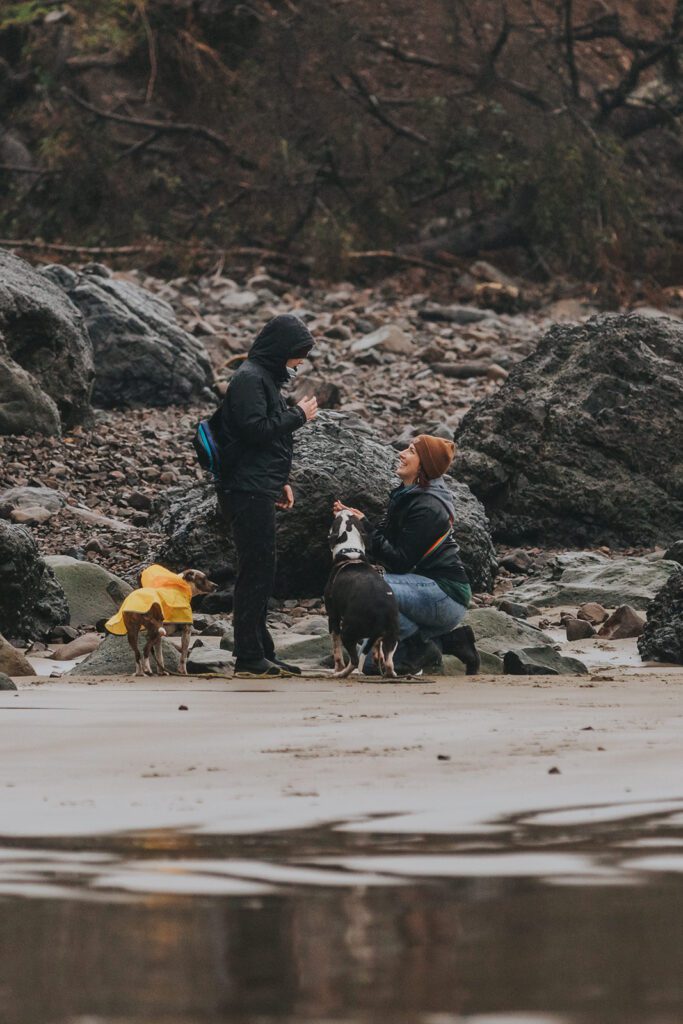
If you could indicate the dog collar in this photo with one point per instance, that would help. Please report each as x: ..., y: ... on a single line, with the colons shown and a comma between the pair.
x: 349, y: 551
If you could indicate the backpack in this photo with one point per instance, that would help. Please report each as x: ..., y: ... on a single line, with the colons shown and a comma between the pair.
x: 214, y: 453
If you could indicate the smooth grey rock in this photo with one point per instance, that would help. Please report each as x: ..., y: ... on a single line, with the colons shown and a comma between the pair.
x: 92, y: 592
x: 32, y: 602
x: 662, y: 637
x: 332, y: 460
x: 454, y: 314
x: 582, y: 443
x: 209, y: 659
x: 142, y: 356
x: 114, y: 657
x: 498, y: 635
x: 541, y: 661
x: 608, y: 581
x: 14, y: 662
x: 307, y: 649
x: 43, y: 333
x: 6, y: 683
x: 32, y: 497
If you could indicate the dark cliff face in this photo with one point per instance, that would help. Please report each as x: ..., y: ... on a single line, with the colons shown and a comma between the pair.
x: 583, y: 443
x: 662, y: 638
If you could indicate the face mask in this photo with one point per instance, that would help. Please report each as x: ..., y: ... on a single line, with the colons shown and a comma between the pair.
x: 291, y: 372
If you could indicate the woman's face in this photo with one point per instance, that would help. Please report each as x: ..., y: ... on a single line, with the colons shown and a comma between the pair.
x: 408, y: 465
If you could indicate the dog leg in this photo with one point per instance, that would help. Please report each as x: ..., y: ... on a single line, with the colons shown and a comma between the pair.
x: 337, y: 653
x: 151, y: 640
x: 133, y: 633
x: 184, y: 647
x: 352, y: 649
x: 388, y: 661
x: 158, y: 653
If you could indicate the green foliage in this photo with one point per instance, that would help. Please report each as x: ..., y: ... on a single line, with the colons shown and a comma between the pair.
x: 590, y: 209
x: 24, y: 13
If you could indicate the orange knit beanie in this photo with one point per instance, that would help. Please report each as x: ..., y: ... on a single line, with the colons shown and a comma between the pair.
x: 436, y: 454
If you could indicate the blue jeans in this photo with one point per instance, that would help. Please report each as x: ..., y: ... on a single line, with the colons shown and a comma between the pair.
x: 423, y: 606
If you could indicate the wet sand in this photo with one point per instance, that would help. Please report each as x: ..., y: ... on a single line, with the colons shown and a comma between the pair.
x: 431, y: 756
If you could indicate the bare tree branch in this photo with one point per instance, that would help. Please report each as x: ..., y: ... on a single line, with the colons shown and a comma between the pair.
x: 170, y: 127
x: 373, y: 106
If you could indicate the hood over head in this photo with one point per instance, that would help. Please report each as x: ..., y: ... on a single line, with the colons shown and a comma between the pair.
x: 284, y: 337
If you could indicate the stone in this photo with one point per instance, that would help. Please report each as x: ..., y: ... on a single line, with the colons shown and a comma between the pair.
x: 389, y: 338
x: 452, y: 314
x: 33, y: 497
x: 228, y: 641
x: 114, y: 657
x: 592, y: 612
x: 578, y: 629
x: 142, y: 356
x: 24, y: 407
x: 6, y: 683
x: 622, y: 624
x: 579, y: 445
x: 662, y: 637
x: 43, y: 334
x: 85, y: 644
x: 541, y: 661
x: 295, y: 648
x: 498, y: 635
x: 31, y: 516
x: 578, y: 577
x: 209, y: 659
x: 518, y: 611
x: 332, y: 460
x: 92, y: 592
x: 14, y: 662
x: 675, y: 552
x: 516, y: 562
x: 32, y: 602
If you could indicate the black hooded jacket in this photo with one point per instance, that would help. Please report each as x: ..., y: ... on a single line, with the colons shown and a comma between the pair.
x: 257, y: 423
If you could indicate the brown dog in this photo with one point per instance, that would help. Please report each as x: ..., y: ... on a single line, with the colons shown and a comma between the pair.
x: 152, y: 621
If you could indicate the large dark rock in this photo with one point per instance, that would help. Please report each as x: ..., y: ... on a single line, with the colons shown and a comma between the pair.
x: 46, y: 359
x: 662, y: 638
x: 332, y: 460
x: 32, y: 602
x: 582, y: 444
x: 142, y: 355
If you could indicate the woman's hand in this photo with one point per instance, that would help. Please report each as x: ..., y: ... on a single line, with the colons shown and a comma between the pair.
x: 287, y: 499
x: 341, y: 507
x: 309, y: 406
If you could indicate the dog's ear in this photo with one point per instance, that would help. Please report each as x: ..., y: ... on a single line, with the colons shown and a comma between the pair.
x: 335, y: 529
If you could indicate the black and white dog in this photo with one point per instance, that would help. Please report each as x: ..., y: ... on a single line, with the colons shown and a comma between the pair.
x: 359, y: 603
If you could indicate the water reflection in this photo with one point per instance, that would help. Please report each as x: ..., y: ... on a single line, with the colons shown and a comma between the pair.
x: 437, y: 950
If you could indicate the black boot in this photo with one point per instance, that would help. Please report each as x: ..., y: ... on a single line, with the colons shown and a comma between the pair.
x: 262, y: 669
x: 414, y: 654
x: 460, y: 642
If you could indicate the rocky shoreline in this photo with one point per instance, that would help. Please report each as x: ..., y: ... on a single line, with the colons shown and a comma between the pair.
x: 542, y: 416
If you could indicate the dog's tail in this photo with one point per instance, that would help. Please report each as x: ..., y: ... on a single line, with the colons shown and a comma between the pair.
x: 162, y: 631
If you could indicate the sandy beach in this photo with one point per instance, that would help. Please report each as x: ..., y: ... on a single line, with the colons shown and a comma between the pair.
x: 235, y: 756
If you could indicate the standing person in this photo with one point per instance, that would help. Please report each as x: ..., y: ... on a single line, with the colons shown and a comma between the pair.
x: 257, y: 428
x: 415, y: 543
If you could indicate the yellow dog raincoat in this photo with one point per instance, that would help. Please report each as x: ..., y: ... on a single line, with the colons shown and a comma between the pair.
x: 159, y: 585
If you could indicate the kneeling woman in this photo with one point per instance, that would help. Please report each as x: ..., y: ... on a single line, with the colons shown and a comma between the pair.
x: 415, y: 544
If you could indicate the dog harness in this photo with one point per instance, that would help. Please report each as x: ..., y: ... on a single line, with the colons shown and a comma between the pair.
x: 159, y: 586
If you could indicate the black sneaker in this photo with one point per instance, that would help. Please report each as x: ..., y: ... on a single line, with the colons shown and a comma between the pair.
x: 414, y: 654
x: 293, y: 670
x: 460, y: 643
x: 262, y: 669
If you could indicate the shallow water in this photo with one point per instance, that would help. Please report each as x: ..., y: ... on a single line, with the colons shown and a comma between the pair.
x: 572, y: 916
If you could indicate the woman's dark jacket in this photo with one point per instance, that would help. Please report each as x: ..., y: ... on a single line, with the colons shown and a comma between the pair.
x: 415, y: 520
x: 257, y: 424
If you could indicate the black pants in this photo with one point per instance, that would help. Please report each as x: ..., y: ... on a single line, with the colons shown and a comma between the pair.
x: 252, y: 518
